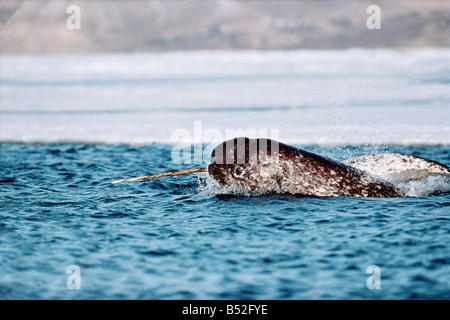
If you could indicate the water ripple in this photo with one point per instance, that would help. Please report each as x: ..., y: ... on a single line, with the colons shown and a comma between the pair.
x: 176, y: 239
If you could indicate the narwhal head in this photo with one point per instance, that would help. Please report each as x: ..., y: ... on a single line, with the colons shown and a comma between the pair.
x: 248, y: 163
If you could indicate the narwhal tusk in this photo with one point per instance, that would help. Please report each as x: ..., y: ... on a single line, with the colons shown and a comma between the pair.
x: 164, y: 174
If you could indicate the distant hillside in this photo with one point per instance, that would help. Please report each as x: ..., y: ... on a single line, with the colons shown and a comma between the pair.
x: 39, y: 26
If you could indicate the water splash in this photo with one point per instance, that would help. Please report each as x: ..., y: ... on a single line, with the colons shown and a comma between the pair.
x: 432, y: 184
x: 207, y: 186
x: 413, y: 176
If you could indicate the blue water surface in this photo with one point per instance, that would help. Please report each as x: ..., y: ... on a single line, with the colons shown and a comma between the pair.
x: 169, y: 239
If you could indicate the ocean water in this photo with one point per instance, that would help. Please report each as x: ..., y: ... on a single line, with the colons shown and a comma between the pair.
x: 69, y: 125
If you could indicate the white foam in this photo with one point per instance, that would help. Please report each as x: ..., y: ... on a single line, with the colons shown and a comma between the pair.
x: 207, y: 186
x: 427, y: 186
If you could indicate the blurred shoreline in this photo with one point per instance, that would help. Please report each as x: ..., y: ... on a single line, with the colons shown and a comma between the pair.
x: 36, y: 26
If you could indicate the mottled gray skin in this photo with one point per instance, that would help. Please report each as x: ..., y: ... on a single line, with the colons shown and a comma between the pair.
x: 272, y: 166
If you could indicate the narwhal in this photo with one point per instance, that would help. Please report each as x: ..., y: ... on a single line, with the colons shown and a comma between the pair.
x: 272, y: 166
